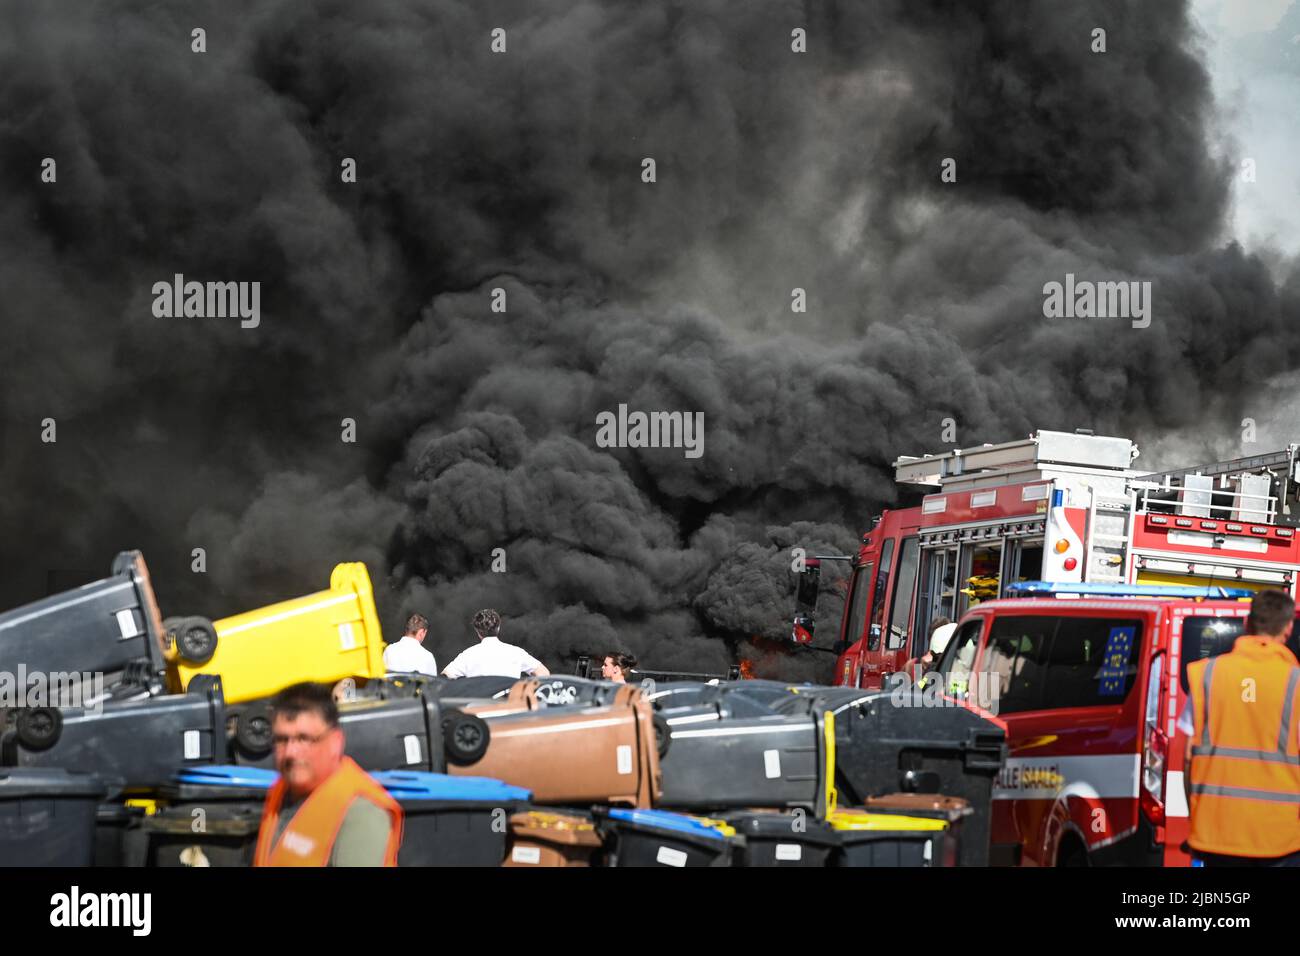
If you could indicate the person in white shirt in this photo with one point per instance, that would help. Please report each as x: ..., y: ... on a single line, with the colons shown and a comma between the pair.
x: 491, y: 656
x: 407, y: 655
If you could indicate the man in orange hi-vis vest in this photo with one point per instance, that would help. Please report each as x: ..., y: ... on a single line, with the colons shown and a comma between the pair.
x: 1242, y: 766
x: 324, y: 810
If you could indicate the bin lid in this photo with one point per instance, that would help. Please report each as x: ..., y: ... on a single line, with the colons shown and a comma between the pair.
x: 862, y: 820
x: 666, y: 820
x: 780, y: 825
x: 421, y: 785
x: 22, y: 782
x: 228, y: 775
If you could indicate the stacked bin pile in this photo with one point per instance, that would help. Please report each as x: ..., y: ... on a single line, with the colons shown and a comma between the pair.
x: 557, y: 771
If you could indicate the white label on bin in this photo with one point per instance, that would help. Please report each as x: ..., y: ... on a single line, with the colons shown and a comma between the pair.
x: 346, y: 640
x: 670, y: 857
x: 927, y: 856
x: 412, y: 742
x: 789, y: 851
x: 190, y: 744
x: 526, y: 854
x: 126, y: 623
x: 772, y: 763
x: 624, y: 758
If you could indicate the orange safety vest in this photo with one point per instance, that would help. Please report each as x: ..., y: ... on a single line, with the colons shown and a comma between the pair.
x: 310, y: 835
x: 1244, y: 784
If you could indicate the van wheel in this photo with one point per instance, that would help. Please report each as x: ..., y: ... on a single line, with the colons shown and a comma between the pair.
x: 196, y: 640
x: 663, y: 735
x: 1070, y: 853
x: 39, y: 728
x: 465, y: 737
x: 253, y: 731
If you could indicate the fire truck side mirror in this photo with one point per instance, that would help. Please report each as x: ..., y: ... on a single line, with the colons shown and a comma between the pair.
x: 805, y: 608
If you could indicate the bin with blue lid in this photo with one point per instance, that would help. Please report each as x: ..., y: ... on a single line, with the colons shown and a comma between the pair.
x: 664, y: 838
x: 47, y: 816
x: 452, y: 821
x: 207, y: 817
x: 783, y: 838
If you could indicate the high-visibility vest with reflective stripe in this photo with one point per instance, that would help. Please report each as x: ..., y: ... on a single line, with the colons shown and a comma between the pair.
x: 1244, y: 783
x: 308, y: 838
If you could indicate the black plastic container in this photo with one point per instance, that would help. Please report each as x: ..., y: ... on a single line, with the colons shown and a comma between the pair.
x: 662, y: 838
x: 729, y: 750
x: 47, y: 816
x: 453, y: 821
x: 892, y: 742
x: 140, y: 742
x: 108, y: 626
x: 894, y: 840
x: 118, y: 839
x: 774, y: 838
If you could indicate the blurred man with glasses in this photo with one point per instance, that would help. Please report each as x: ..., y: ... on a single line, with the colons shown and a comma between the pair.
x: 324, y: 810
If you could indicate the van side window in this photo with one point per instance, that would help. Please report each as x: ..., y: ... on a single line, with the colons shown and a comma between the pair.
x: 1208, y: 637
x: 1093, y: 661
x: 959, y: 659
x: 878, y: 599
x: 858, y: 605
x: 1016, y: 661
x: 904, y: 585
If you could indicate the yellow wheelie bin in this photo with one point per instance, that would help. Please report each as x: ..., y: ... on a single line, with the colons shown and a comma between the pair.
x: 324, y: 637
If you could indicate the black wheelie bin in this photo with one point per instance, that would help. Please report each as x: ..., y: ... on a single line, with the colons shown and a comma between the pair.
x: 890, y: 742
x: 141, y: 742
x: 728, y: 749
x: 47, y: 816
x: 110, y: 626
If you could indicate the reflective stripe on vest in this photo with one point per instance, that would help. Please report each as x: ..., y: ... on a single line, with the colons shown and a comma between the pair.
x: 309, y: 837
x: 1244, y: 781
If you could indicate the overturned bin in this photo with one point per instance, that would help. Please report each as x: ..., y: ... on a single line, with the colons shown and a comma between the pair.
x: 544, y: 838
x: 109, y: 626
x: 403, y: 733
x: 325, y: 636
x: 663, y: 838
x: 575, y: 755
x: 894, y: 742
x: 142, y: 742
x: 728, y: 748
x: 452, y: 821
x: 47, y: 816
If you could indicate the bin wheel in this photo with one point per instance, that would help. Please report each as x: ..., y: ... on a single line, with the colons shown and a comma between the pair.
x: 663, y: 735
x: 196, y: 640
x: 39, y: 728
x: 253, y: 731
x: 465, y: 737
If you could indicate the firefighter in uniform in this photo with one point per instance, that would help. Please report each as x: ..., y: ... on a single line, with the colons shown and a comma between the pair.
x: 1242, y: 764
x: 324, y: 810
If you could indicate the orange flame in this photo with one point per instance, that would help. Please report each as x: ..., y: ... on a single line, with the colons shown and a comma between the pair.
x: 746, y: 670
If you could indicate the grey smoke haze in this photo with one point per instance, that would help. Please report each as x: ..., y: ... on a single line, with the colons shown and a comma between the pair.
x: 522, y: 171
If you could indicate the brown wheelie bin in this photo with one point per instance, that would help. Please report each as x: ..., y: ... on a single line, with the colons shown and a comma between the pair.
x: 578, y: 755
x: 539, y: 838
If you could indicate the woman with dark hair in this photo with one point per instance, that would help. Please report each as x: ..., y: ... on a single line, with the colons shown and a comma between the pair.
x: 617, y: 667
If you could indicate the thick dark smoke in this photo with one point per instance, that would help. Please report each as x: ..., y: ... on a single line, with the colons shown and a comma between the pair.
x: 522, y: 171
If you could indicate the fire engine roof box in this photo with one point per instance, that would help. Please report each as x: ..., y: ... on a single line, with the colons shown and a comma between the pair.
x: 1044, y: 448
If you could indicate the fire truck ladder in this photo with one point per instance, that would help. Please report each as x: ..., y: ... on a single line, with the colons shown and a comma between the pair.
x: 1110, y: 526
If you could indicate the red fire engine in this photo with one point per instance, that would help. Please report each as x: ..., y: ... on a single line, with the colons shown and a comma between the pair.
x: 1088, y: 665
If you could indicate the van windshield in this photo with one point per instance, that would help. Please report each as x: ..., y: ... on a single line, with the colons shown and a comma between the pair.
x: 1208, y: 637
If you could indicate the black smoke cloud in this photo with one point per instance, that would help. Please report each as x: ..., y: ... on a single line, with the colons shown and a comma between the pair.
x: 521, y: 171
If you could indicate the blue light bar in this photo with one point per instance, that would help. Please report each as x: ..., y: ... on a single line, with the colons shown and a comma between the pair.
x: 1049, y: 588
